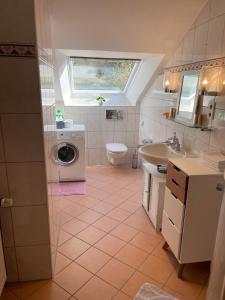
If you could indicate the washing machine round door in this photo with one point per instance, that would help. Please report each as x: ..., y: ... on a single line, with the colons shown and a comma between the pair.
x: 66, y: 154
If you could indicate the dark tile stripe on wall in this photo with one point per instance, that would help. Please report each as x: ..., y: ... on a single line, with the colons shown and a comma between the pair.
x: 17, y: 50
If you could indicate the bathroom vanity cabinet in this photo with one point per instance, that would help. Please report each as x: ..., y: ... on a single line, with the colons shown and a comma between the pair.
x: 193, y: 198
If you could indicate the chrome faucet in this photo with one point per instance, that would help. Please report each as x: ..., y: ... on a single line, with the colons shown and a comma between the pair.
x: 173, y: 142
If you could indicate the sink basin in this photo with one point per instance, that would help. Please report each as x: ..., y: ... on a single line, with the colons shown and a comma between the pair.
x: 157, y: 154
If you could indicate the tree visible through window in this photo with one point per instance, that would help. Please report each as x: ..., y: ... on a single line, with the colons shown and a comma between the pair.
x: 101, y: 74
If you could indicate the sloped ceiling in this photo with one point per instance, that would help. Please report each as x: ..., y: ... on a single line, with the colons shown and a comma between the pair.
x: 150, y: 26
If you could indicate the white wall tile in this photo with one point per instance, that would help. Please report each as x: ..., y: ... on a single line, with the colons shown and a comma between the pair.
x: 200, y: 42
x: 34, y: 262
x: 30, y: 224
x: 2, y: 158
x: 217, y: 8
x: 101, y: 131
x: 188, y: 45
x: 204, y: 14
x: 23, y: 137
x: 94, y: 157
x: 11, y: 264
x: 94, y: 139
x: 4, y: 192
x: 19, y: 83
x: 27, y: 183
x: 15, y: 17
x: 6, y: 227
x: 215, y: 37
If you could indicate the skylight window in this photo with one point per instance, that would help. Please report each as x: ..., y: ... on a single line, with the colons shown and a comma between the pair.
x: 108, y: 75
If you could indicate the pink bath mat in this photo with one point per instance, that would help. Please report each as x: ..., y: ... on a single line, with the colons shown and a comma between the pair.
x: 68, y: 188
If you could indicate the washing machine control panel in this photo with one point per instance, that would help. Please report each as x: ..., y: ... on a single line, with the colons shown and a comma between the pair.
x: 68, y: 135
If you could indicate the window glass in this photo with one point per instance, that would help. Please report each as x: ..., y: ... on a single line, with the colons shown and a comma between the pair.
x: 101, y: 74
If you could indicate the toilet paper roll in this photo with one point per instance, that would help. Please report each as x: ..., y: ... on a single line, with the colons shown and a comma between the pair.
x: 68, y: 123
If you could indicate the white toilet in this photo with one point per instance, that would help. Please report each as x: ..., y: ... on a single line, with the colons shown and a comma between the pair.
x: 115, y: 152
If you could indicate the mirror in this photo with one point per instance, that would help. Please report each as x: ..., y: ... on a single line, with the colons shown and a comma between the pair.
x: 188, y: 98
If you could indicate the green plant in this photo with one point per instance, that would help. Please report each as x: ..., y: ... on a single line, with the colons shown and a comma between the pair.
x: 101, y: 99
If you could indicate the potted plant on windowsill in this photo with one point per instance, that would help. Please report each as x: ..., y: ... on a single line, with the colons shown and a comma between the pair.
x: 100, y: 100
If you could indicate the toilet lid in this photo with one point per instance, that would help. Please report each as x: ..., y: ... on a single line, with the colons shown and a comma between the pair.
x: 116, y: 147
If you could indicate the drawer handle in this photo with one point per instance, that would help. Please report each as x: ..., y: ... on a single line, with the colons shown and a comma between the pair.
x: 174, y: 195
x: 171, y: 221
x: 176, y: 168
x: 174, y: 182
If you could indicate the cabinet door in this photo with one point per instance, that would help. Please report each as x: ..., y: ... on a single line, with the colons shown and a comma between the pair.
x: 2, y: 267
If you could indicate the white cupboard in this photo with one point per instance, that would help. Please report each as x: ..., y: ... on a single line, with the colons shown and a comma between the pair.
x: 192, y: 204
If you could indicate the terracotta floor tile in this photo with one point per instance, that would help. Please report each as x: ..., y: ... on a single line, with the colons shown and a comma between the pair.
x: 96, y: 289
x: 7, y: 295
x: 121, y: 296
x: 130, y: 206
x: 132, y: 256
x: 163, y: 254
x: 74, y: 226
x: 65, y: 218
x: 72, y: 278
x: 137, y: 222
x: 110, y: 244
x: 135, y: 282
x: 178, y: 295
x: 124, y: 193
x: 61, y: 262
x: 118, y: 214
x: 73, y: 248
x: 103, y: 207
x: 203, y: 293
x: 89, y: 202
x: 93, y: 259
x: 183, y: 287
x: 109, y: 188
x: 145, y: 241
x: 114, y: 200
x: 74, y: 210
x: 115, y: 273
x: 106, y: 224
x: 157, y: 269
x: 63, y: 237
x: 124, y: 232
x: 90, y: 216
x: 97, y: 193
x: 50, y: 291
x: 25, y: 289
x: 91, y: 235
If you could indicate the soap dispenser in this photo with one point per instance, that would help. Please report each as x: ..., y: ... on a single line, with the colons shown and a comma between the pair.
x: 59, y: 119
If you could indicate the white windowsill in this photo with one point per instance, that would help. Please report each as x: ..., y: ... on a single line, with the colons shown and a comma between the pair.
x: 89, y: 99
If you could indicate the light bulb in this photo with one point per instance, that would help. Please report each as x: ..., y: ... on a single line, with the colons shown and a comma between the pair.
x: 223, y: 82
x: 167, y: 83
x: 205, y: 82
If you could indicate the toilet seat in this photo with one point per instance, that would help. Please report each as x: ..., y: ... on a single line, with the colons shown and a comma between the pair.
x: 116, y: 147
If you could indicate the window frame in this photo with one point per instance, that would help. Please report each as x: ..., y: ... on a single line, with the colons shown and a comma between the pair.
x: 128, y: 83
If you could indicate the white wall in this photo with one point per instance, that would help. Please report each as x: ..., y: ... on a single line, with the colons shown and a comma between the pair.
x: 100, y: 131
x: 205, y: 40
x: 211, y: 21
x: 122, y: 25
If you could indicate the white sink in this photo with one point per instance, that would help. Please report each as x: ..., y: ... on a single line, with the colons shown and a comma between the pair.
x: 157, y: 154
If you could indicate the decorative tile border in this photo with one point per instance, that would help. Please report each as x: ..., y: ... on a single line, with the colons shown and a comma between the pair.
x: 219, y: 62
x: 17, y: 50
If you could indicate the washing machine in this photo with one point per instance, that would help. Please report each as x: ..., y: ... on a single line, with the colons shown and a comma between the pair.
x: 66, y: 153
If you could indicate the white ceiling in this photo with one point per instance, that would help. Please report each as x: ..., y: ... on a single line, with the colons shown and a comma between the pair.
x: 150, y: 26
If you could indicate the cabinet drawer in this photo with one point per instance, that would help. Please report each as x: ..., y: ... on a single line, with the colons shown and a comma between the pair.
x: 178, y: 191
x: 174, y: 208
x: 171, y: 234
x: 177, y: 175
